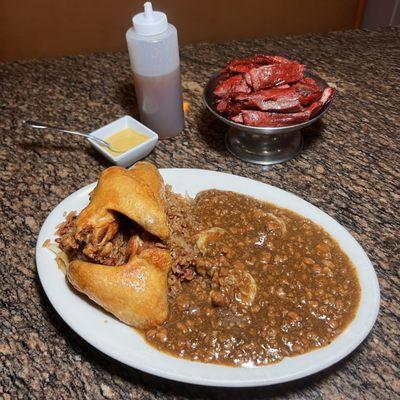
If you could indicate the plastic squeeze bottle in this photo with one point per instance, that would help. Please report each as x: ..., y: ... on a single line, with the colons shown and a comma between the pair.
x: 154, y: 56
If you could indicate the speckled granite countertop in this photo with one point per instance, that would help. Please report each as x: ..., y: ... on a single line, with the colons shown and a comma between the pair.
x: 349, y: 168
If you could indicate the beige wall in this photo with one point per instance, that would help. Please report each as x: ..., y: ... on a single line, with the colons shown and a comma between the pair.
x: 45, y: 28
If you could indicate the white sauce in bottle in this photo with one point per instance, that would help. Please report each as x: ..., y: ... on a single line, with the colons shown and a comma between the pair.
x: 154, y: 55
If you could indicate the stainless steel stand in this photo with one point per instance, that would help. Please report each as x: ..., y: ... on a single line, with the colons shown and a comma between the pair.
x: 263, y: 149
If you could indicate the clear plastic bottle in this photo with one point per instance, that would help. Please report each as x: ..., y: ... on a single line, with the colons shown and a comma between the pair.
x: 154, y: 56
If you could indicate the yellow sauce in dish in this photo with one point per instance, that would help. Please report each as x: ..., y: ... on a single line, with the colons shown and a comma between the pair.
x: 125, y: 140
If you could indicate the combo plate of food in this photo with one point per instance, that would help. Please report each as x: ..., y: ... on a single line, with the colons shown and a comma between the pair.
x: 205, y: 277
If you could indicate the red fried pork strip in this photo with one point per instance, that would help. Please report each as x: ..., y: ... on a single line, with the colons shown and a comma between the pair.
x: 240, y: 66
x: 271, y: 99
x: 309, y: 83
x: 275, y: 74
x: 287, y: 99
x: 229, y: 87
x: 266, y: 59
x: 227, y: 106
x: 288, y: 102
x: 262, y: 118
x: 267, y: 94
x: 237, y: 118
x: 308, y: 90
x: 281, y: 105
x: 326, y: 97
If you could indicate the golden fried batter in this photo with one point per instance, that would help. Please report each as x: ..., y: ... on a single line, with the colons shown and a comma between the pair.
x: 136, y: 292
x: 136, y: 193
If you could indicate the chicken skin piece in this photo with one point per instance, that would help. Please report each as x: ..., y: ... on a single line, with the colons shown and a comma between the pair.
x: 136, y: 193
x: 136, y: 292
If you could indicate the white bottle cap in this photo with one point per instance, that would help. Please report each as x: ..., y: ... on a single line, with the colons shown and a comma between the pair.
x: 150, y: 22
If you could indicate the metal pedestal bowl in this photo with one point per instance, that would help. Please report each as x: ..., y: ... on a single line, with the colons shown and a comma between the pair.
x: 262, y: 145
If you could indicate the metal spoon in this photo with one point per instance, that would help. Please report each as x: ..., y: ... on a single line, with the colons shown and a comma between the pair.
x: 41, y: 125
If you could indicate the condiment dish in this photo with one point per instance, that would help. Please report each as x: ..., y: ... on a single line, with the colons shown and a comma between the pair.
x: 134, y: 154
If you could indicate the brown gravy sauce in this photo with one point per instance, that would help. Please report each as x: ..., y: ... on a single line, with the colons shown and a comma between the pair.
x: 270, y: 284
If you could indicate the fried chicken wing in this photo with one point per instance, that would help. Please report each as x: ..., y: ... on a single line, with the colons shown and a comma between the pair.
x: 135, y: 193
x: 125, y: 228
x: 136, y: 292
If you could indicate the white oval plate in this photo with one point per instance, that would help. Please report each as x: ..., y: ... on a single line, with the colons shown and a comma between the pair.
x: 126, y: 345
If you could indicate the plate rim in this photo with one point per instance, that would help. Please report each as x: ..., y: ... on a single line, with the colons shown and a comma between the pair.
x: 176, y: 376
